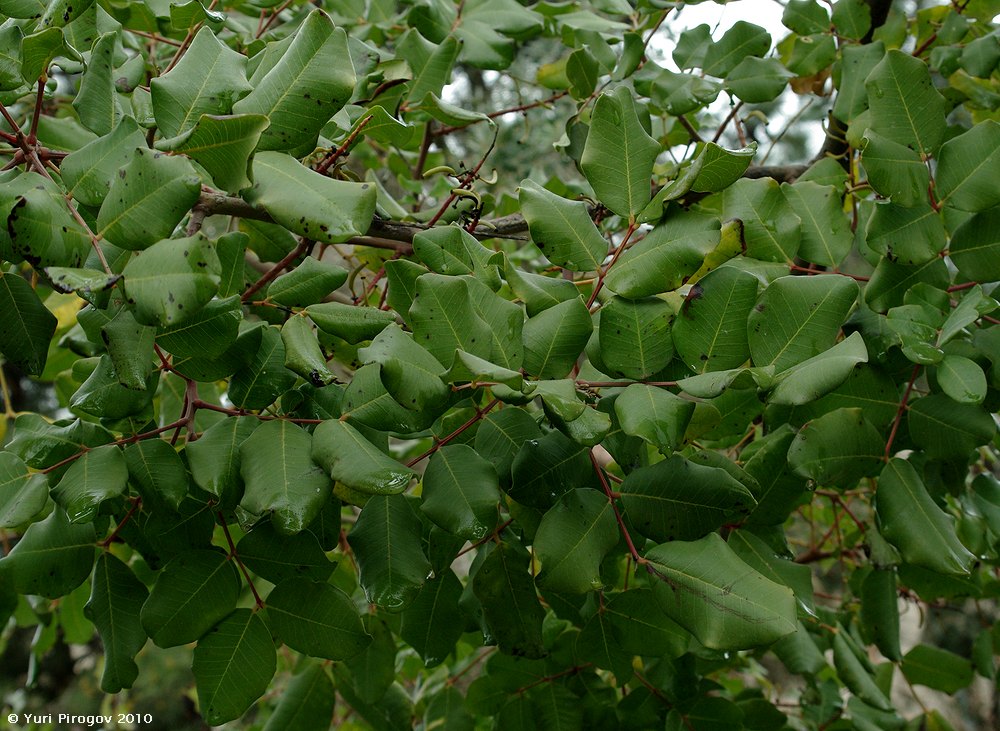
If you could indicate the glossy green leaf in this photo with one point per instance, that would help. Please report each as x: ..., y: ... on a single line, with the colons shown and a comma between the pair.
x: 780, y: 569
x: 127, y: 220
x: 277, y: 557
x: 618, y: 156
x: 554, y: 338
x: 192, y: 593
x: 374, y: 670
x: 756, y: 80
x: 264, y: 377
x: 880, y: 611
x: 502, y: 434
x: 302, y: 352
x: 158, y: 472
x: 316, y: 619
x: 572, y: 539
x: 805, y: 17
x: 445, y: 321
x: 208, y: 333
x: 130, y: 347
x: 562, y: 229
x: 222, y: 145
x: 704, y: 587
x: 386, y: 542
x: 962, y: 379
x: 905, y: 106
x: 171, y: 280
x: 710, y: 331
x: 796, y: 318
x: 350, y: 458
x: 308, y: 203
x: 307, y: 702
x: 307, y: 284
x: 233, y: 666
x: 22, y: 493
x: 895, y: 170
x: 838, y: 449
x: 209, y: 79
x: 856, y: 674
x: 949, y: 429
x: 430, y: 63
x: 937, y: 668
x: 310, y: 82
x: 910, y: 520
x: 409, y: 373
x: 97, y: 103
x: 98, y: 475
x: 461, y: 492
x: 52, y: 558
x: 214, y: 459
x: 352, y: 323
x: 741, y: 40
x: 771, y: 228
x: 680, y: 500
x: 655, y: 415
x: 826, y: 233
x: 281, y: 477
x: 975, y: 247
x: 963, y: 178
x: 433, y: 623
x: 811, y: 379
x: 27, y: 326
x: 116, y: 598
x: 635, y: 336
x: 545, y: 468
x: 510, y: 606
x: 908, y: 236
x: 661, y: 261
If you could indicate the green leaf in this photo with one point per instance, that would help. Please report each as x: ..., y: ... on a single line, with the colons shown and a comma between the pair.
x: 52, y: 558
x: 430, y: 63
x: 855, y: 673
x: 350, y: 458
x: 757, y: 80
x: 96, y: 103
x: 392, y: 566
x: 562, y: 229
x: 374, y: 670
x: 857, y: 62
x: 98, y: 475
x: 811, y: 379
x: 641, y: 627
x: 838, y: 448
x: 661, y: 261
x: 771, y: 229
x: 905, y: 106
x: 805, y: 17
x: 158, y: 473
x: 316, y: 619
x: 102, y: 395
x: 171, y: 280
x: 545, y: 468
x: 826, y: 233
x: 308, y: 203
x: 306, y: 284
x: 798, y: 317
x: 635, y: 336
x: 908, y: 236
x: 741, y: 40
x: 352, y: 323
x: 127, y: 219
x: 432, y: 623
x: 116, y: 597
x: 554, y: 338
x: 26, y: 328
x: 811, y: 55
x: 281, y: 477
x: 618, y: 156
x: 572, y: 539
x: 962, y: 379
x: 410, y: 374
x: 233, y: 666
x: 277, y: 557
x: 193, y: 592
x: 468, y: 368
x: 264, y: 378
x: 710, y: 332
x: 910, y: 520
x: 890, y: 282
x: 88, y: 172
x: 937, y: 668
x: 310, y: 83
x: 307, y: 702
x: 680, y: 500
x: 964, y: 177
x: 444, y: 320
x: 130, y: 347
x: 511, y: 608
x: 894, y: 170
x: 208, y: 79
x: 42, y: 231
x: 222, y: 145
x: 23, y: 494
x: 41, y: 444
x: 780, y: 569
x: 214, y: 459
x: 302, y: 352
x: 501, y: 435
x: 975, y: 247
x: 948, y: 429
x: 708, y: 590
x: 208, y: 333
x: 461, y: 492
x: 655, y: 415
x: 879, y: 611
x: 852, y: 18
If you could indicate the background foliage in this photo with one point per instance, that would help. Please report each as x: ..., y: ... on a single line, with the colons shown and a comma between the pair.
x: 464, y: 365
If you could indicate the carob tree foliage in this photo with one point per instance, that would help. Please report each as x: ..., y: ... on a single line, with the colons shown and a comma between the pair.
x: 395, y: 440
